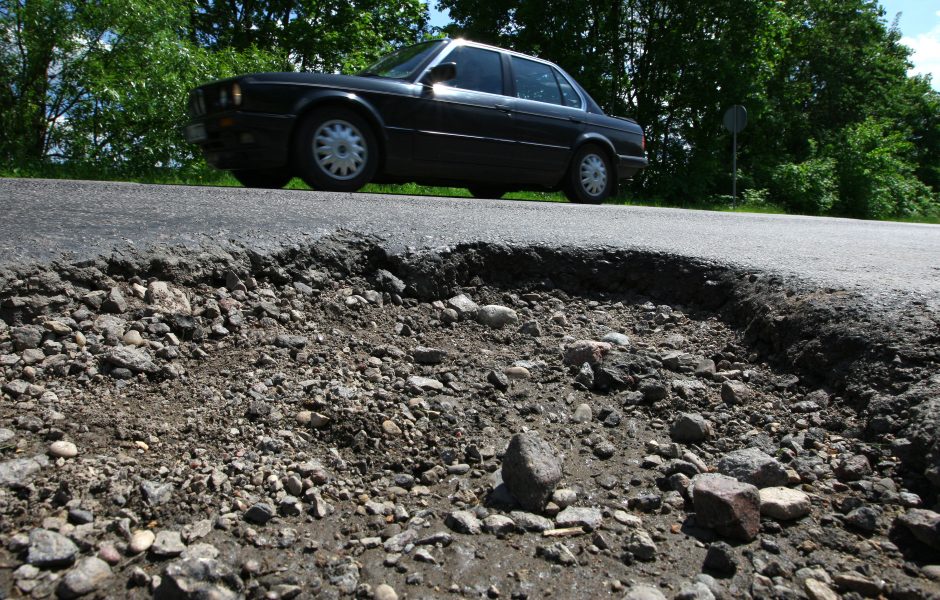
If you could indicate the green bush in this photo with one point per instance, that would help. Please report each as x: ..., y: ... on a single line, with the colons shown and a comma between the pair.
x: 877, y: 173
x: 809, y: 187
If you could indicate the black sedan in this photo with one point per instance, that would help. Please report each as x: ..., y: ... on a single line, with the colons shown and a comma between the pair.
x: 445, y: 112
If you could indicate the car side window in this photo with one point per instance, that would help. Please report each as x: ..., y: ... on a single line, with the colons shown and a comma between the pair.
x: 568, y: 94
x: 478, y: 70
x: 535, y: 81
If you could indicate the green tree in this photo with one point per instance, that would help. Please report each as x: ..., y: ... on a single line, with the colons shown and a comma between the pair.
x: 321, y: 35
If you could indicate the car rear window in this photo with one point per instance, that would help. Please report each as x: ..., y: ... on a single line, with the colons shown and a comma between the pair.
x: 535, y: 81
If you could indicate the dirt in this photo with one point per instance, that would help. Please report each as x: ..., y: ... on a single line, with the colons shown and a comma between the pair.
x: 292, y: 375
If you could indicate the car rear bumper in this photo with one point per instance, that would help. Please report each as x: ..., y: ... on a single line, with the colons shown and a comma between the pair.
x: 242, y: 140
x: 628, y: 166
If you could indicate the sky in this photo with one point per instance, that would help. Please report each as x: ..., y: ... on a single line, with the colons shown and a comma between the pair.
x: 920, y: 28
x: 919, y: 24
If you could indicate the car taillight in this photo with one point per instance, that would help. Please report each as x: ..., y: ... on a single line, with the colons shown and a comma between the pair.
x: 643, y: 143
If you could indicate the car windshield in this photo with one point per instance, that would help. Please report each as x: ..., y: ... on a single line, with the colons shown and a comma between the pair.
x: 402, y: 63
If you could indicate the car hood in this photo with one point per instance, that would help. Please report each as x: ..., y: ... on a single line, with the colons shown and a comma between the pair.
x: 327, y: 80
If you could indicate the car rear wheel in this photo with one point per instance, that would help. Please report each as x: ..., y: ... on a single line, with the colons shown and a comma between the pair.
x: 263, y: 178
x: 336, y: 150
x: 591, y: 177
x: 486, y: 192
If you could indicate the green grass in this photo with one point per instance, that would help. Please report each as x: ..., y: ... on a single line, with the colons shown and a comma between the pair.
x: 212, y: 177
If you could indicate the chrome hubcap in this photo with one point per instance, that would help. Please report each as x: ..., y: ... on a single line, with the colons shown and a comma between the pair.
x: 593, y: 175
x: 339, y: 149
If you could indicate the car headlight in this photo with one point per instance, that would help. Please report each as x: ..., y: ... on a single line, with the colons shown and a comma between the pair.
x: 223, y: 98
x: 236, y: 94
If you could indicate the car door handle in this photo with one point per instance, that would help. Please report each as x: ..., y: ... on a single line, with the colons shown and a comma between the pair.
x: 503, y: 107
x: 574, y: 119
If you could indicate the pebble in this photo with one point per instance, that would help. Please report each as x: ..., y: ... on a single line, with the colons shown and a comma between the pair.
x: 586, y: 351
x: 574, y: 516
x: 923, y: 524
x: 736, y: 393
x: 784, y: 504
x: 728, y: 506
x: 85, y: 577
x: 259, y: 513
x: 582, y: 413
x: 463, y: 521
x: 63, y: 449
x: 643, y: 592
x: 50, y: 549
x: 690, y: 428
x: 617, y: 339
x: 384, y: 591
x: 167, y: 544
x: 720, y: 558
x: 498, y: 525
x: 391, y: 429
x: 530, y: 470
x: 753, y: 466
x: 817, y: 590
x: 496, y: 317
x: 526, y: 521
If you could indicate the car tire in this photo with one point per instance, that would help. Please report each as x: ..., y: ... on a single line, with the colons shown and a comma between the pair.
x: 590, y: 179
x: 486, y: 192
x: 270, y: 179
x: 335, y: 150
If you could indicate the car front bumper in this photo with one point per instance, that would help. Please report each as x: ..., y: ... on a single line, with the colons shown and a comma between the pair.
x: 242, y: 140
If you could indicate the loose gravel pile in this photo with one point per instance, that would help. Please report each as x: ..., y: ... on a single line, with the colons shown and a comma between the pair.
x: 323, y: 432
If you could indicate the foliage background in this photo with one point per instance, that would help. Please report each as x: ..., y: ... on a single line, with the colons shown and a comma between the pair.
x: 836, y: 125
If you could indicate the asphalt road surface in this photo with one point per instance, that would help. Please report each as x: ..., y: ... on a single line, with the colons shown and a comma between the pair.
x: 42, y: 220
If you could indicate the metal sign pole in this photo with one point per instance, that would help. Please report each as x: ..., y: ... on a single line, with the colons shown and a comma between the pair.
x: 734, y: 165
x: 735, y: 120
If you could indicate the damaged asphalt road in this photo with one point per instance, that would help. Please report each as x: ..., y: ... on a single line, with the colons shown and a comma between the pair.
x: 480, y: 400
x: 45, y: 218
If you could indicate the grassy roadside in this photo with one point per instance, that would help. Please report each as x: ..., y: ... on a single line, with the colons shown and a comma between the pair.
x: 210, y: 177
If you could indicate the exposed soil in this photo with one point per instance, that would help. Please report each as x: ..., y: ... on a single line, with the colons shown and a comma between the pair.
x: 328, y: 420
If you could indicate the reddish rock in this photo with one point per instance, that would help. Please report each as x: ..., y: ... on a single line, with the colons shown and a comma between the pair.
x: 586, y: 351
x: 728, y: 506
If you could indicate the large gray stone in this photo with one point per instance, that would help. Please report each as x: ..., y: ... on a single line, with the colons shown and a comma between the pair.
x: 464, y: 306
x: 530, y: 470
x: 921, y: 452
x: 50, y: 549
x: 166, y: 299
x: 784, y: 504
x: 753, y: 466
x: 496, y: 317
x: 199, y: 579
x: 924, y: 524
x: 643, y: 592
x: 690, y: 428
x: 26, y: 337
x: 726, y: 505
x: 84, y: 578
x: 19, y: 471
x: 135, y: 359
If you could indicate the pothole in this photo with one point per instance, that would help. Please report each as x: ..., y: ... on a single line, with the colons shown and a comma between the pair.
x: 333, y: 418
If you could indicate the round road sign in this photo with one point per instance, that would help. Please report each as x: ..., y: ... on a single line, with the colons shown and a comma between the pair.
x: 735, y: 118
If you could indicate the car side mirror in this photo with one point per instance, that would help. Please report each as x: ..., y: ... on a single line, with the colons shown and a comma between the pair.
x: 441, y: 72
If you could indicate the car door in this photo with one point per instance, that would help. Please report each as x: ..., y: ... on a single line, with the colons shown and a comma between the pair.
x: 548, y: 117
x: 465, y: 123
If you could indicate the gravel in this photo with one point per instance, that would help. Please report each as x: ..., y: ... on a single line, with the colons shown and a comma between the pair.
x: 323, y: 428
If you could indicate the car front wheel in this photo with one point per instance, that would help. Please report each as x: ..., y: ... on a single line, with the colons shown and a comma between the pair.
x: 336, y: 150
x: 591, y: 177
x: 271, y: 179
